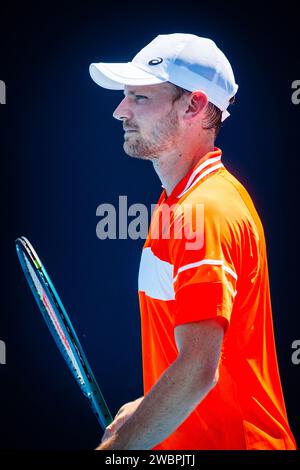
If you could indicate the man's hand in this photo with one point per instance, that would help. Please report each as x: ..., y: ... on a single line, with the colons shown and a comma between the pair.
x: 124, y: 413
x: 176, y: 394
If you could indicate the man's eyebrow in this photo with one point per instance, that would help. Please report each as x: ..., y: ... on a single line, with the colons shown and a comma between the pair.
x: 133, y: 92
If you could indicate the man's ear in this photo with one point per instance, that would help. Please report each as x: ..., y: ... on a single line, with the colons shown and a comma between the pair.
x: 195, y: 104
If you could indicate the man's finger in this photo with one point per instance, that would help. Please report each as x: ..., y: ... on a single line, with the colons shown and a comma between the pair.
x: 108, y: 432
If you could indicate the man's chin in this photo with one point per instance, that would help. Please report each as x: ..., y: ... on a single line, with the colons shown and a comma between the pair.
x: 134, y: 153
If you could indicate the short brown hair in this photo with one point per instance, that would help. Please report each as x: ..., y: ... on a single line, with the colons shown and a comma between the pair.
x: 213, y: 119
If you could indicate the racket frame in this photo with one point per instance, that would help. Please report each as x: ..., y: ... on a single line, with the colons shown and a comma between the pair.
x: 62, y: 329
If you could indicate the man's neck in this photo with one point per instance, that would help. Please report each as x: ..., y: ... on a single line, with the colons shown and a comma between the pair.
x: 172, y: 168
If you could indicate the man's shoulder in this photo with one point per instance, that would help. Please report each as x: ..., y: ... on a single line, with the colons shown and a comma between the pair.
x: 216, y: 192
x: 226, y: 205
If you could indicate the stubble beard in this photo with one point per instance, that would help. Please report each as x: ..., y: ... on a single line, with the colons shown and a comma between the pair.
x: 164, y: 136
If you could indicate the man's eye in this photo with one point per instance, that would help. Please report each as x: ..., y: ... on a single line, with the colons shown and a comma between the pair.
x: 141, y: 97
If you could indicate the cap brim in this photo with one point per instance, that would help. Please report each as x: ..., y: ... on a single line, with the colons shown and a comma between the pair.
x: 115, y: 76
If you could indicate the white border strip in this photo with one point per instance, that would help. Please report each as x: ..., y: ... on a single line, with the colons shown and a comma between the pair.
x: 200, y: 167
x: 205, y: 173
x: 212, y: 262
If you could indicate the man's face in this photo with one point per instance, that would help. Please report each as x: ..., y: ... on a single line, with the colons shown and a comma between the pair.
x: 150, y: 120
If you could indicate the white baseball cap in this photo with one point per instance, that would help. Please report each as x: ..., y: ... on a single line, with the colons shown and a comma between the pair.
x: 186, y: 60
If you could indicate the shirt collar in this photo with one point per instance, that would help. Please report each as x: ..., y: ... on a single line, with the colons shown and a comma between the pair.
x: 209, y: 164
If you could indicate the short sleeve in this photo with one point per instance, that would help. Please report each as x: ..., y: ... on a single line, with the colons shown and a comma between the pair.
x: 203, y: 252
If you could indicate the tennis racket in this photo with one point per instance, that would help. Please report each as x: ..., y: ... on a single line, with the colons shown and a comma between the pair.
x: 61, y: 328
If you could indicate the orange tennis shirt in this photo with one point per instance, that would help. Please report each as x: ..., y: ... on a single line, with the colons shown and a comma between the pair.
x: 207, y: 259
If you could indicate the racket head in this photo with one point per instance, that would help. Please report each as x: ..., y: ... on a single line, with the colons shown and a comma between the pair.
x: 61, y: 328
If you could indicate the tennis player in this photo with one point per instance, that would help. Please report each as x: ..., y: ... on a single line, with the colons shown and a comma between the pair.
x: 211, y: 378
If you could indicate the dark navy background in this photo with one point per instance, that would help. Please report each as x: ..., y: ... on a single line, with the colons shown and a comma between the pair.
x: 62, y: 156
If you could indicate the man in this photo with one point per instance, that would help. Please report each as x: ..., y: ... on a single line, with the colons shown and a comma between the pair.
x: 210, y: 371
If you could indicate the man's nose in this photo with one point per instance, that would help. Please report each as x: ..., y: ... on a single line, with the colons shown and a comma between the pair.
x: 123, y: 111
